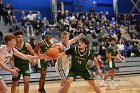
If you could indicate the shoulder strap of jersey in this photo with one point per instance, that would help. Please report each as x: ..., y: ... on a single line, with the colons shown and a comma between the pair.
x: 75, y: 49
x: 44, y: 42
x: 89, y: 53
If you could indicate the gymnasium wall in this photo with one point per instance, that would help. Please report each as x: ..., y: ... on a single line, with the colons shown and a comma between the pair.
x: 85, y: 5
x: 125, y: 6
x: 44, y: 6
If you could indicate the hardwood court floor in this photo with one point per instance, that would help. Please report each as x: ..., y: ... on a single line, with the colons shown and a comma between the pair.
x: 126, y: 84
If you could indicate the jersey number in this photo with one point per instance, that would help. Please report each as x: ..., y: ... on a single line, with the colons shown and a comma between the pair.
x: 79, y: 62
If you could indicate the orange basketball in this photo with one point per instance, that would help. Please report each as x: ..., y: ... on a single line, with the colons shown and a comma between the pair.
x: 53, y: 53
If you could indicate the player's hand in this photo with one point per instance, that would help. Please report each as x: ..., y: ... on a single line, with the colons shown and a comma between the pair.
x: 81, y: 35
x: 100, y: 72
x: 16, y: 69
x: 33, y: 57
x: 122, y: 57
x: 14, y: 72
x: 42, y: 56
x: 33, y: 62
x: 117, y: 57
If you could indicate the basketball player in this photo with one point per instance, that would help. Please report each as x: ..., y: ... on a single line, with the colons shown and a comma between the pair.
x: 80, y: 57
x: 111, y: 55
x: 21, y: 64
x: 41, y: 48
x: 62, y: 65
x: 6, y: 52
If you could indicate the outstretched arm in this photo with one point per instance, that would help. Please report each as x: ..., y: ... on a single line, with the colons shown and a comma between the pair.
x: 23, y: 56
x: 74, y: 40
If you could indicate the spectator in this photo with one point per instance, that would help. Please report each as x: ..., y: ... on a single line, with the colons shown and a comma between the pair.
x: 29, y: 27
x: 1, y: 10
x: 14, y: 23
x: 23, y: 18
x: 45, y: 23
x: 30, y: 16
x: 121, y: 47
x: 8, y: 13
x: 1, y: 37
x: 39, y: 16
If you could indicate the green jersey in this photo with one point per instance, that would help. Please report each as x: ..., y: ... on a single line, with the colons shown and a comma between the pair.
x: 18, y: 61
x: 45, y: 47
x: 113, y: 52
x: 79, y: 59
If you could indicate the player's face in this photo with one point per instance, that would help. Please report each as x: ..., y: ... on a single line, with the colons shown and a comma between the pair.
x: 12, y: 43
x: 82, y: 45
x: 113, y: 42
x: 19, y: 38
x: 65, y: 39
x: 48, y: 38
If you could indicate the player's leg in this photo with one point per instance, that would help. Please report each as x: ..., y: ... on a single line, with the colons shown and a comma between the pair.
x: 112, y: 82
x: 61, y: 72
x: 3, y: 87
x: 90, y: 79
x: 42, y: 70
x: 63, y: 75
x: 71, y: 76
x: 94, y: 86
x: 14, y: 86
x: 42, y: 79
x: 15, y: 82
x: 26, y: 84
x: 66, y: 85
x: 112, y: 74
x: 26, y: 77
x: 103, y: 82
x: 107, y: 74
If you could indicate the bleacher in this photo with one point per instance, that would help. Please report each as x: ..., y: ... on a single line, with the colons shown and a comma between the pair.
x: 131, y: 66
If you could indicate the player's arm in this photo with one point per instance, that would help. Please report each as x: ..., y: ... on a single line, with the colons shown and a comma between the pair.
x: 74, y: 40
x: 31, y: 51
x: 3, y: 65
x: 38, y: 46
x: 23, y: 56
x: 97, y: 66
x: 67, y: 52
x: 96, y: 63
x: 13, y: 64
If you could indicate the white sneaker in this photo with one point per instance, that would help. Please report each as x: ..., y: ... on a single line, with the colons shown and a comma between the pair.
x: 112, y: 83
x: 103, y: 83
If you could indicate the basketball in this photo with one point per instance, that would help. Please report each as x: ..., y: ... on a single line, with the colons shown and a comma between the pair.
x: 53, y: 53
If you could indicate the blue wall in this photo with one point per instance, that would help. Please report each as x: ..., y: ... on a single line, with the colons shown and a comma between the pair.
x: 44, y: 6
x: 100, y: 5
x: 128, y: 6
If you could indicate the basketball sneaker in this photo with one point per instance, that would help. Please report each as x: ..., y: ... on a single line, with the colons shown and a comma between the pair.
x: 112, y: 83
x: 103, y: 83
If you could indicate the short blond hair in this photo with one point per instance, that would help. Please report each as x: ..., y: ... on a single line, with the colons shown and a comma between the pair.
x: 9, y: 37
x: 64, y: 33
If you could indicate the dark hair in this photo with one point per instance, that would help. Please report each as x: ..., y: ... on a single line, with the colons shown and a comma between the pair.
x: 85, y: 40
x: 18, y: 33
x: 112, y: 39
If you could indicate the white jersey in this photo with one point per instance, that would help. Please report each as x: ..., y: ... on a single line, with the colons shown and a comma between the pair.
x: 64, y: 62
x: 8, y: 54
